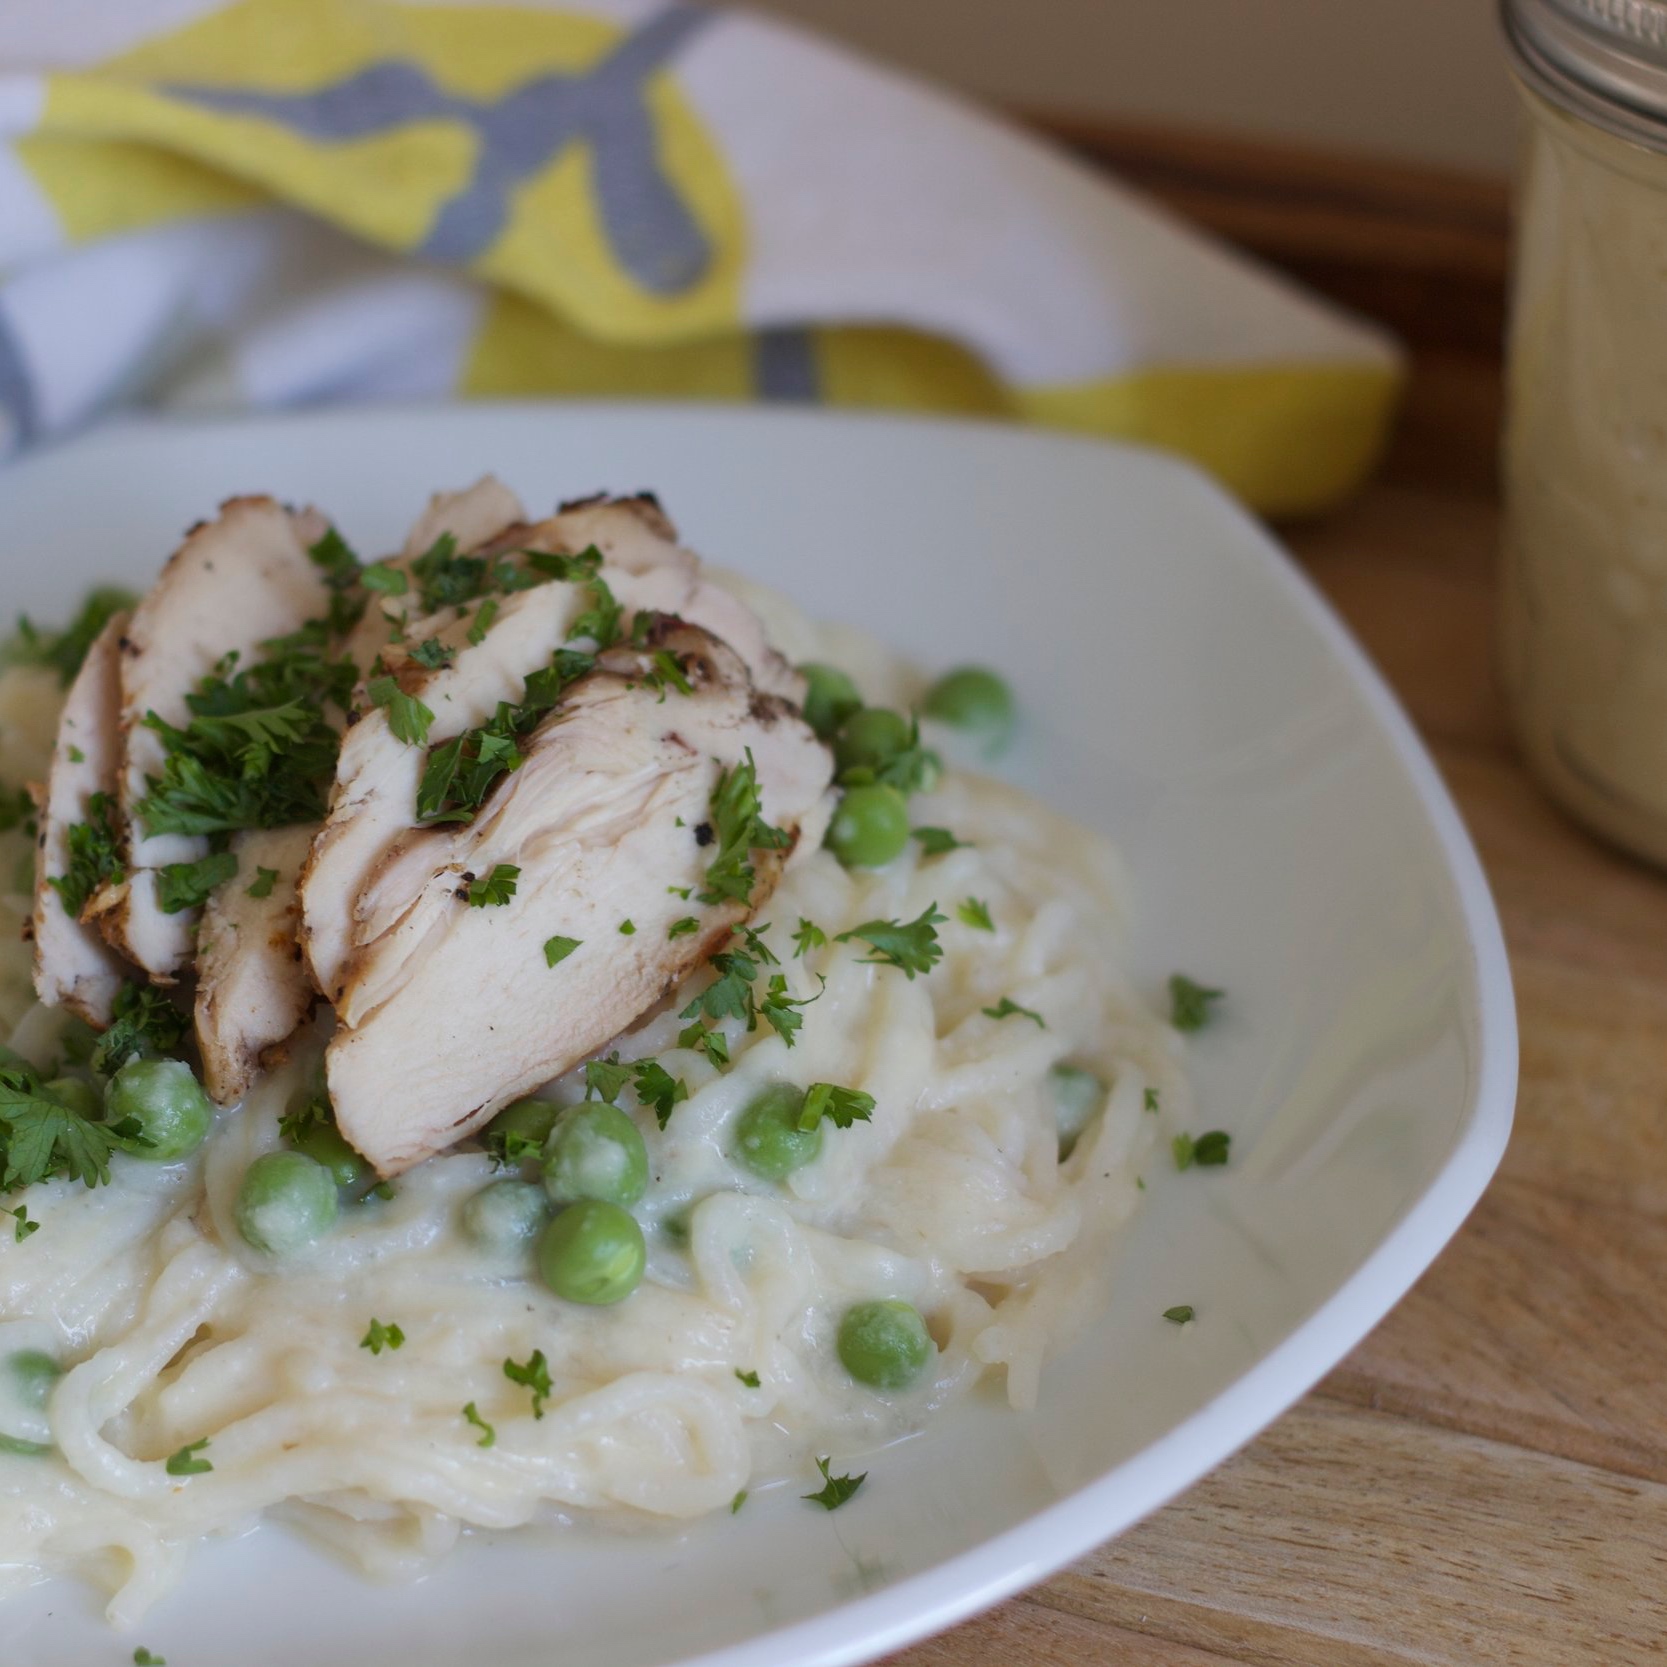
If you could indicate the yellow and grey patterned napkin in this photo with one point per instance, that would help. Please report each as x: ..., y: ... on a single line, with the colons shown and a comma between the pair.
x: 279, y: 202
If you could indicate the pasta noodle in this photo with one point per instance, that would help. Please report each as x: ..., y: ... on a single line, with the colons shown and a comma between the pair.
x: 953, y: 1198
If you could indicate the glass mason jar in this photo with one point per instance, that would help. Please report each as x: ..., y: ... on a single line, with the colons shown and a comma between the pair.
x: 1584, y: 599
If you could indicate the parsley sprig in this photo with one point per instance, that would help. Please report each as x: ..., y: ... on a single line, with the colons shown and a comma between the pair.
x: 95, y: 856
x: 738, y: 826
x: 63, y: 651
x: 41, y: 1137
x: 144, y: 1021
x: 841, y: 1106
x: 1189, y: 1003
x: 911, y: 946
x: 836, y: 1489
x: 533, y: 1374
x: 258, y: 750
x: 656, y: 1087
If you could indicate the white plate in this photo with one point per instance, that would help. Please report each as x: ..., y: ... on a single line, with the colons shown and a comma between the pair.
x: 1186, y: 691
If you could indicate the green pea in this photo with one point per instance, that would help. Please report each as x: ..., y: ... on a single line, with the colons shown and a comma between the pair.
x: 26, y: 1380
x: 1077, y: 1096
x: 884, y: 1344
x: 77, y: 1094
x: 871, y: 737
x: 325, y: 1144
x: 506, y: 1215
x: 595, y: 1151
x: 768, y: 1139
x: 976, y: 700
x: 166, y: 1101
x: 521, y: 1126
x: 830, y: 697
x: 593, y: 1253
x: 870, y: 827
x: 285, y: 1202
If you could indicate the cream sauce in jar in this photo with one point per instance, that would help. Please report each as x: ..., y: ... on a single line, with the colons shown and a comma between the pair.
x: 1584, y: 611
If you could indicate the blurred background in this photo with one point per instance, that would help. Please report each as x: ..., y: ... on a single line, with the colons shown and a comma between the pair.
x: 1422, y: 80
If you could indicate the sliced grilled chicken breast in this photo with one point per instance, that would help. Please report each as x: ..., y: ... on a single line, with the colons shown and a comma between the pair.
x: 74, y: 966
x: 376, y: 778
x: 253, y: 990
x: 235, y: 582
x: 448, y: 1010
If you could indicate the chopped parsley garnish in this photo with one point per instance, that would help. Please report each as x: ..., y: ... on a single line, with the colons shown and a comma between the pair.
x: 484, y: 615
x: 265, y: 879
x: 683, y: 928
x: 1180, y: 1314
x: 461, y: 772
x: 731, y: 996
x: 1189, y: 1003
x: 185, y: 1462
x: 713, y: 1043
x: 669, y: 673
x: 935, y: 841
x: 307, y: 1113
x: 685, y: 892
x: 488, y: 1434
x: 381, y: 1337
x: 24, y: 1225
x: 1007, y: 1008
x: 558, y: 948
x: 41, y: 1137
x: 384, y: 580
x: 496, y: 889
x: 1150, y: 1099
x: 408, y: 718
x: 1208, y: 1151
x: 600, y: 621
x: 656, y: 1087
x: 95, y: 858
x: 975, y: 914
x: 750, y: 1379
x: 841, y: 1106
x: 737, y: 1502
x: 535, y: 1375
x: 432, y: 654
x: 807, y: 937
x: 63, y: 651
x: 606, y: 1078
x: 144, y: 1658
x: 445, y: 579
x: 911, y: 946
x: 76, y: 756
x: 627, y: 928
x: 144, y: 1021
x: 186, y: 885
x: 905, y: 765
x: 258, y: 751
x: 335, y: 556
x: 740, y: 829
x: 838, y: 1488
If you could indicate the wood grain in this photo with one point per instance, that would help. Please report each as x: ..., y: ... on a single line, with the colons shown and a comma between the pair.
x: 1484, y: 1480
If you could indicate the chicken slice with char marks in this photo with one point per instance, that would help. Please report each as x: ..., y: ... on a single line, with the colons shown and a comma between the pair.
x: 377, y: 777
x: 235, y: 582
x: 449, y: 1010
x: 254, y: 988
x: 74, y: 966
x: 253, y: 992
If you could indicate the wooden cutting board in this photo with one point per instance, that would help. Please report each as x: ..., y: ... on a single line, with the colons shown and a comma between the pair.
x: 1485, y: 1479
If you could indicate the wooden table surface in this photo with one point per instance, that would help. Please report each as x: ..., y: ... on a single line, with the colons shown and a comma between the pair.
x: 1484, y: 1480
